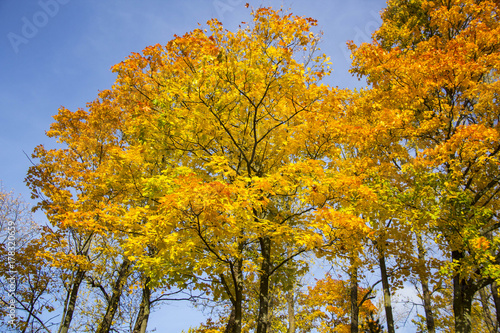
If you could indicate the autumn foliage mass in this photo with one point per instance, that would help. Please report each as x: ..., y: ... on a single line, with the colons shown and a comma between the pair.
x: 221, y: 170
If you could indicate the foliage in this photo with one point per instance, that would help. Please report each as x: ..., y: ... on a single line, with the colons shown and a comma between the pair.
x: 326, y: 306
x: 218, y: 161
x: 28, y: 284
x: 434, y: 80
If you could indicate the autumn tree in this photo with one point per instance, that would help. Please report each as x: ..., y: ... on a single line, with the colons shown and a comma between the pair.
x: 29, y: 285
x: 433, y: 108
x: 218, y: 151
x: 234, y: 115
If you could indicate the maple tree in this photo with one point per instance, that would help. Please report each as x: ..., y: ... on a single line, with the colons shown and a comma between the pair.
x: 213, y: 148
x: 433, y: 71
x: 245, y: 185
x: 65, y: 200
x: 217, y: 161
x: 68, y: 182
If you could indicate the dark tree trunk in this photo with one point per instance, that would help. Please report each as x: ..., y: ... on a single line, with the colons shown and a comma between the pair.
x: 291, y: 310
x: 496, y: 301
x: 354, y: 296
x: 112, y: 307
x: 238, y: 310
x: 265, y: 271
x: 234, y: 322
x: 141, y: 322
x: 70, y: 303
x: 231, y: 324
x: 463, y: 293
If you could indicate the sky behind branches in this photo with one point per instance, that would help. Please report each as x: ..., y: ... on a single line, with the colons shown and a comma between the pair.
x: 57, y: 53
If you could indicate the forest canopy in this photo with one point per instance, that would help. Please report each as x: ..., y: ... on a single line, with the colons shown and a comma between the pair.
x: 220, y: 167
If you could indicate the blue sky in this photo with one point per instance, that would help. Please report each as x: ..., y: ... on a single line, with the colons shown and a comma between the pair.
x: 59, y: 52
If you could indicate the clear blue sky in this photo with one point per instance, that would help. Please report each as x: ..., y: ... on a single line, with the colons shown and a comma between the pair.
x: 59, y: 52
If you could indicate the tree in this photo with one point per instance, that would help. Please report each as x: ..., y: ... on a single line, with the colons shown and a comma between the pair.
x: 239, y: 107
x: 433, y: 71
x: 29, y: 286
x: 217, y: 161
x: 216, y: 151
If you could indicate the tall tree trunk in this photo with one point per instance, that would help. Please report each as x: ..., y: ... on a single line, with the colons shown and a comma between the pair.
x: 70, y: 304
x: 463, y: 293
x: 265, y: 271
x: 238, y: 295
x: 496, y: 301
x: 426, y: 294
x: 354, y: 295
x: 235, y: 318
x: 231, y: 324
x: 123, y: 275
x: 290, y: 301
x: 290, y: 296
x: 141, y: 322
x: 387, y: 293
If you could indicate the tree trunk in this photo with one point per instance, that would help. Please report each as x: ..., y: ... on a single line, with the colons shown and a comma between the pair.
x: 231, y: 324
x: 70, y: 303
x: 238, y: 309
x: 354, y: 296
x: 463, y: 292
x: 496, y: 300
x: 123, y: 275
x: 426, y: 294
x: 291, y: 309
x: 387, y: 293
x: 290, y: 298
x: 234, y: 322
x: 265, y: 270
x: 141, y: 322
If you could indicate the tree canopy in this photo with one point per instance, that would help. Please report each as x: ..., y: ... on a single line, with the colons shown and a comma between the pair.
x: 218, y: 165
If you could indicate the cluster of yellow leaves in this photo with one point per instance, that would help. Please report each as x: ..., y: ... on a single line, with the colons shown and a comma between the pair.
x: 201, y: 149
x: 433, y: 68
